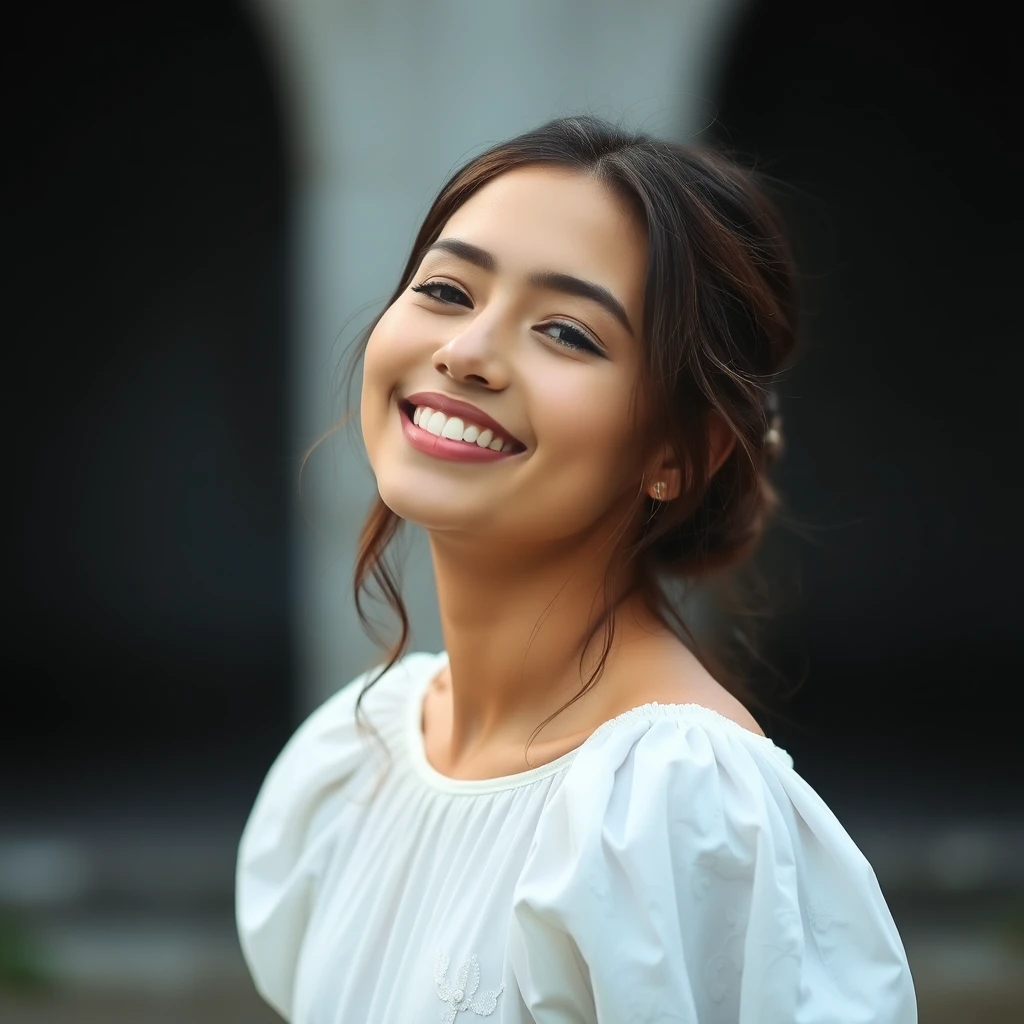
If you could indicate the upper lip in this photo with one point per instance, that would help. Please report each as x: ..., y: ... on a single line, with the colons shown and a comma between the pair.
x: 454, y: 407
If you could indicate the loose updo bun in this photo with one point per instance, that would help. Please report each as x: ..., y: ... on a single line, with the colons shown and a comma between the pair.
x: 720, y: 327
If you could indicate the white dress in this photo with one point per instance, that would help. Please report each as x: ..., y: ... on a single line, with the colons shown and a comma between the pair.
x: 673, y: 868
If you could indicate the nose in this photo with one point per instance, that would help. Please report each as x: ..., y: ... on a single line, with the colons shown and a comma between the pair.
x: 474, y: 356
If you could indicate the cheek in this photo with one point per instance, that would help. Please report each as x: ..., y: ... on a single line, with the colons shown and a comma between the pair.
x: 390, y: 350
x: 381, y: 363
x: 388, y: 344
x: 585, y: 413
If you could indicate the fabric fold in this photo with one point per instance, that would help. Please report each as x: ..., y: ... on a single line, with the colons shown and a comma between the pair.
x: 684, y: 872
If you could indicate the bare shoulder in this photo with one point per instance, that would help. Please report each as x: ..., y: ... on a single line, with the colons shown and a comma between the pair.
x: 666, y: 671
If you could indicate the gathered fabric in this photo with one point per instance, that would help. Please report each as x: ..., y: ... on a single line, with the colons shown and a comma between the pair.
x: 673, y: 868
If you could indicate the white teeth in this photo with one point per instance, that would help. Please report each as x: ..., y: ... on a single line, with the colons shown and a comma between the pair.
x: 456, y: 429
x: 453, y: 428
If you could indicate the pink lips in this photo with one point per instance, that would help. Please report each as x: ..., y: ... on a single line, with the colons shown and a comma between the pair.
x: 443, y: 447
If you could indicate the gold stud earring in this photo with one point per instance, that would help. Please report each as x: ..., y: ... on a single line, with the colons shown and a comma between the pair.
x: 658, y: 490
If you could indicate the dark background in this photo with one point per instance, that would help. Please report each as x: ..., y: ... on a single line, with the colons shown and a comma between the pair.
x: 152, y: 475
x: 148, y: 649
x: 895, y: 136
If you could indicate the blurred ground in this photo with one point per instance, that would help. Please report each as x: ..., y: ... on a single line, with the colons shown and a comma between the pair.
x: 228, y: 1005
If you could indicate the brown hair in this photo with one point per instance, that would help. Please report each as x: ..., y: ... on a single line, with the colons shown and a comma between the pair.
x: 719, y: 325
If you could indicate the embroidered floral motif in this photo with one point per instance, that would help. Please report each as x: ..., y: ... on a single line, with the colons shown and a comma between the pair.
x: 827, y: 928
x: 459, y: 994
x: 820, y: 914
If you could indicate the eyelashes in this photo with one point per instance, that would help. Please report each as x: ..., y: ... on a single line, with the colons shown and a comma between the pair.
x: 570, y: 336
x: 429, y: 288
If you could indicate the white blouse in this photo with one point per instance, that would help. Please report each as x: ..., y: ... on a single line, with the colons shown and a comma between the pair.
x: 672, y: 868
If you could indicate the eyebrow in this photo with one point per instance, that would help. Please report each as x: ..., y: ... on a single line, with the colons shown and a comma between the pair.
x: 550, y: 279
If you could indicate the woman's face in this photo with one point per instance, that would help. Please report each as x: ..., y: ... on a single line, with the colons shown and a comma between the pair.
x: 528, y: 308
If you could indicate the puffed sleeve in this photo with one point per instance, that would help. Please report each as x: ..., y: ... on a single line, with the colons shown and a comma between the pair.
x: 290, y: 833
x: 685, y: 872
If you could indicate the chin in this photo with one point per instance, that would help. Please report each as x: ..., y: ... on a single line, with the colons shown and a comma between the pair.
x: 437, y: 512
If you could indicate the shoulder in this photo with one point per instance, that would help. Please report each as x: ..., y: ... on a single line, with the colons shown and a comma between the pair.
x: 328, y: 735
x: 683, y: 763
x: 327, y: 748
x: 690, y: 744
x: 307, y: 800
x: 661, y: 669
x: 686, y: 863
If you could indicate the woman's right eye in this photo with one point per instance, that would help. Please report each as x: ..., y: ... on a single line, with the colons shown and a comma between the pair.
x: 446, y: 293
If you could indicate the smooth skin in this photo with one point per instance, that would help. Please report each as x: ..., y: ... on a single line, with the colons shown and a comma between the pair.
x: 520, y: 545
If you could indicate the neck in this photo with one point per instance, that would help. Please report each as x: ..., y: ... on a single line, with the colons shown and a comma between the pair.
x: 515, y: 631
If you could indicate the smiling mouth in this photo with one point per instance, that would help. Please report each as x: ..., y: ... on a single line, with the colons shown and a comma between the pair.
x: 457, y: 431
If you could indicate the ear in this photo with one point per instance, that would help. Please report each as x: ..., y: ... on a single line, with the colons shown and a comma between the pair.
x: 664, y: 469
x: 721, y: 442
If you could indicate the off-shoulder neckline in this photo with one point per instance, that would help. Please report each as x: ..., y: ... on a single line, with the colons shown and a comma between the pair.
x: 433, y: 778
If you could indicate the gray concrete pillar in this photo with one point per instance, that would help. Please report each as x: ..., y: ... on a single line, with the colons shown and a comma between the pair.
x: 383, y: 100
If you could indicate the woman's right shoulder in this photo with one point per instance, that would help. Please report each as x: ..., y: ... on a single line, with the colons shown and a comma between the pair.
x: 305, y: 799
x: 328, y: 746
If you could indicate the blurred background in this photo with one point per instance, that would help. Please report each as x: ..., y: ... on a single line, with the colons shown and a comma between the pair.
x: 204, y: 204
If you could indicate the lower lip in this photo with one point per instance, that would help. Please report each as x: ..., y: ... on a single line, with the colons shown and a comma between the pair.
x: 445, y: 448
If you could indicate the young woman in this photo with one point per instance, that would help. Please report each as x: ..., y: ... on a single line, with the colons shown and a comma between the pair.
x: 575, y: 820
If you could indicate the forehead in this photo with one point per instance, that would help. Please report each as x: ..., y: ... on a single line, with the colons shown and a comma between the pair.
x: 551, y: 218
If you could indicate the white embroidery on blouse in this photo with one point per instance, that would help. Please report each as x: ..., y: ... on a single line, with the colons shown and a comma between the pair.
x: 459, y: 995
x: 827, y: 927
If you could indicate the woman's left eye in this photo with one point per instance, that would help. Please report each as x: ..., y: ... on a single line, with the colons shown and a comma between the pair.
x: 570, y: 337
x: 443, y: 293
